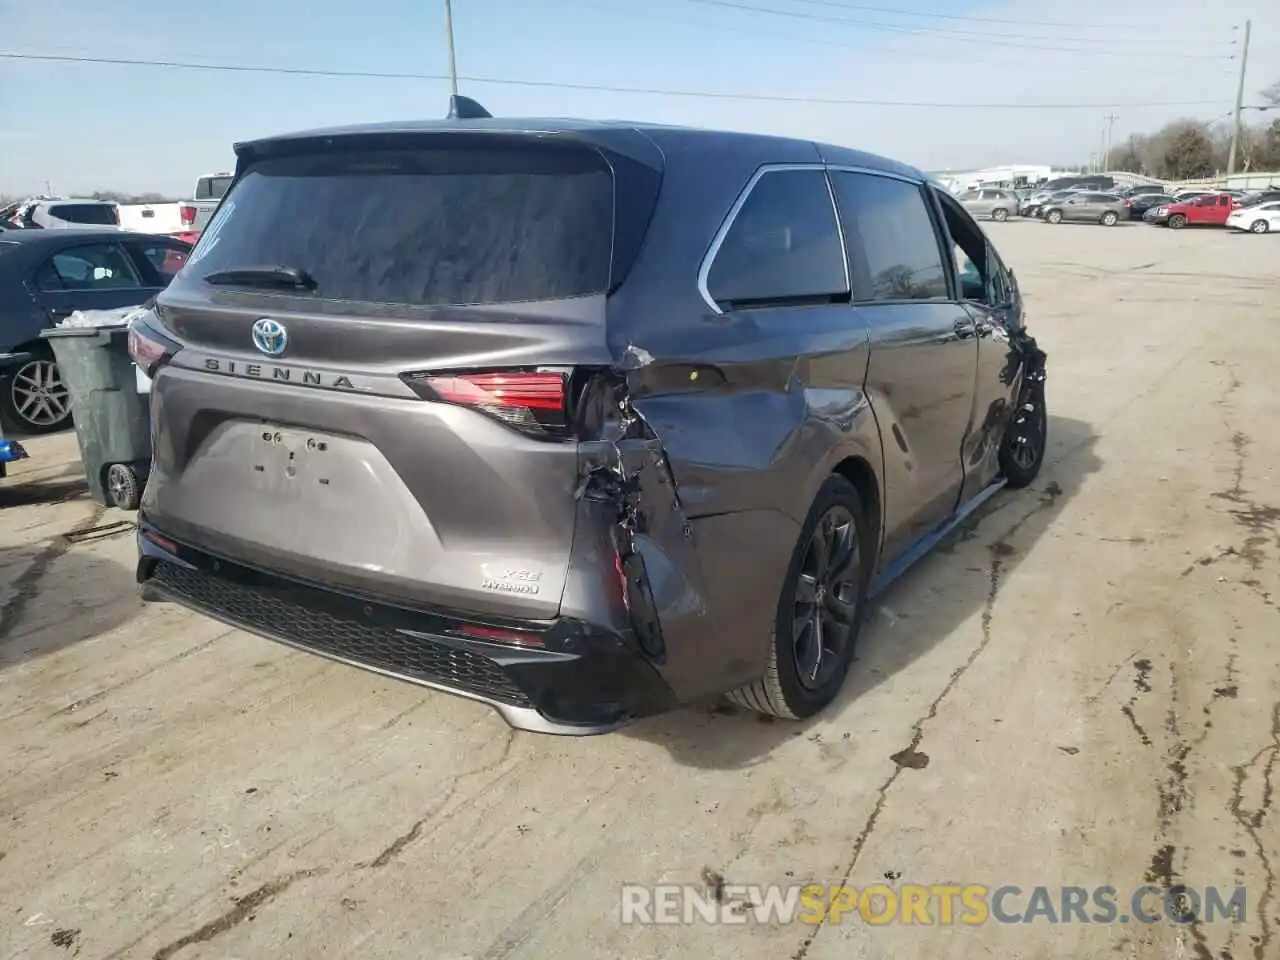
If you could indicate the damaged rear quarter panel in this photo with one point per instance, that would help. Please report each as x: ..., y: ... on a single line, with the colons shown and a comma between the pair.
x: 742, y: 430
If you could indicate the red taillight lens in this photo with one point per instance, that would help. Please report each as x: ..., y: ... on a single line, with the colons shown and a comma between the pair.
x: 533, y: 402
x: 188, y: 214
x: 148, y: 349
x: 534, y: 391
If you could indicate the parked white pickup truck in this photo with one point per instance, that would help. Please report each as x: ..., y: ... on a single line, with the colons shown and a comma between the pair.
x: 195, y: 213
x: 151, y: 217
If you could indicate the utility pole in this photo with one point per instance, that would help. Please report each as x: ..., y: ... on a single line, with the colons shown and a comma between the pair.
x: 453, y: 60
x: 1102, y: 148
x: 1235, y: 124
x: 1111, y: 119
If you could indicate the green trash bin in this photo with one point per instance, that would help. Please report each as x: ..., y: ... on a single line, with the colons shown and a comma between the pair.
x: 112, y: 419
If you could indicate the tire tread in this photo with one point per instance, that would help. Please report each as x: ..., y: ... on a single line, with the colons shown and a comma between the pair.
x: 767, y: 695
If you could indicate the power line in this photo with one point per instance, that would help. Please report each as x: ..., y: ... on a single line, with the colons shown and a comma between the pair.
x: 967, y: 18
x: 988, y: 40
x: 776, y: 38
x: 831, y: 4
x: 650, y: 91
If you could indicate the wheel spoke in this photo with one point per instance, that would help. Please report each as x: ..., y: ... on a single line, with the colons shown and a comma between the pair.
x: 821, y: 550
x: 819, y: 641
x: 808, y: 649
x: 806, y: 589
x: 843, y: 554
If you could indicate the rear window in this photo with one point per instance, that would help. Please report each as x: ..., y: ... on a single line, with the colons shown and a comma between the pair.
x: 430, y: 226
x: 98, y: 214
x: 212, y: 188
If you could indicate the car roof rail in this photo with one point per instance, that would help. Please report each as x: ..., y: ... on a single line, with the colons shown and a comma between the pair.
x: 464, y: 108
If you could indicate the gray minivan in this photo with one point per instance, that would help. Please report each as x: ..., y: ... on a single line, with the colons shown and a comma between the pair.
x: 582, y: 420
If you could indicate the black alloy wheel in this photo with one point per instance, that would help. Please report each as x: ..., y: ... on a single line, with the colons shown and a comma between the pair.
x: 1025, y: 441
x: 826, y: 598
x: 819, y: 611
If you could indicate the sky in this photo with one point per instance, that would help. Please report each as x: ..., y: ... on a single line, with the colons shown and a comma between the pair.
x: 78, y: 127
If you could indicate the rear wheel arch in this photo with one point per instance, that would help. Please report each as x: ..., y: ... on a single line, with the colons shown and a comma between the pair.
x: 859, y: 472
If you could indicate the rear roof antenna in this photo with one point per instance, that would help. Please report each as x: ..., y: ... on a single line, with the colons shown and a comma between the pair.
x: 464, y: 108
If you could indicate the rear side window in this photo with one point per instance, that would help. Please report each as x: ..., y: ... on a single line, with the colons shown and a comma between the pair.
x: 783, y: 245
x: 212, y: 188
x: 434, y: 226
x: 893, y: 246
x: 96, y: 266
x: 98, y: 214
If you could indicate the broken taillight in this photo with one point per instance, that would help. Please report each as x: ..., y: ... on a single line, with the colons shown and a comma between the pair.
x: 188, y: 214
x: 149, y: 349
x: 531, y: 401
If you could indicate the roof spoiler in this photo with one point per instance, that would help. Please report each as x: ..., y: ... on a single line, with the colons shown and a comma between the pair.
x: 464, y: 108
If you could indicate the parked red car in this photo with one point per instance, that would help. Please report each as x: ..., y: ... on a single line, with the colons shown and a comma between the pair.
x: 1210, y: 210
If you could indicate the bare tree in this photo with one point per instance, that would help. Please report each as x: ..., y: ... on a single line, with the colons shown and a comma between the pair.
x: 1129, y: 155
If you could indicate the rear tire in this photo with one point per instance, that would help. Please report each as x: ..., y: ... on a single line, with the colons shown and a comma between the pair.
x: 1259, y: 226
x: 1109, y: 219
x: 1177, y: 221
x: 999, y: 214
x: 819, y: 609
x: 1053, y: 216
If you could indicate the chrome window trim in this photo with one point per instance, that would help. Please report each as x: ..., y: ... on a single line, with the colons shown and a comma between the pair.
x: 844, y: 250
x: 889, y: 174
x: 708, y: 258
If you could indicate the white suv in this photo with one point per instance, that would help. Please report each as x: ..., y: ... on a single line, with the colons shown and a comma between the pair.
x: 54, y: 214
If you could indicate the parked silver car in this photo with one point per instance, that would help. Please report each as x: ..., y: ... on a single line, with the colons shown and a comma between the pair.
x: 1104, y: 208
x: 997, y: 204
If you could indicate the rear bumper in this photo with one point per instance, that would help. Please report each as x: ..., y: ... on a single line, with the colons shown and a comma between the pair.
x: 579, y: 679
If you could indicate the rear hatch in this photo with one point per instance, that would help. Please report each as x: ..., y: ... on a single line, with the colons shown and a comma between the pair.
x: 380, y: 342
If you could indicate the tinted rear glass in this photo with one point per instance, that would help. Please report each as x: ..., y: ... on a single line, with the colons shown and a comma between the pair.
x: 99, y: 214
x: 430, y: 226
x: 212, y: 188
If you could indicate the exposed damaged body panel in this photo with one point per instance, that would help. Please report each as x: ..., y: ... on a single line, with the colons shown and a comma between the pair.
x: 592, y: 418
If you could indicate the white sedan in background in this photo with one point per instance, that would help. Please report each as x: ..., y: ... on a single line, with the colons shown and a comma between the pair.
x: 1263, y: 218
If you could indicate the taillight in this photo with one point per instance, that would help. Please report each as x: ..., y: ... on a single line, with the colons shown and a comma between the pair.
x: 531, y: 401
x: 188, y: 214
x: 149, y: 349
